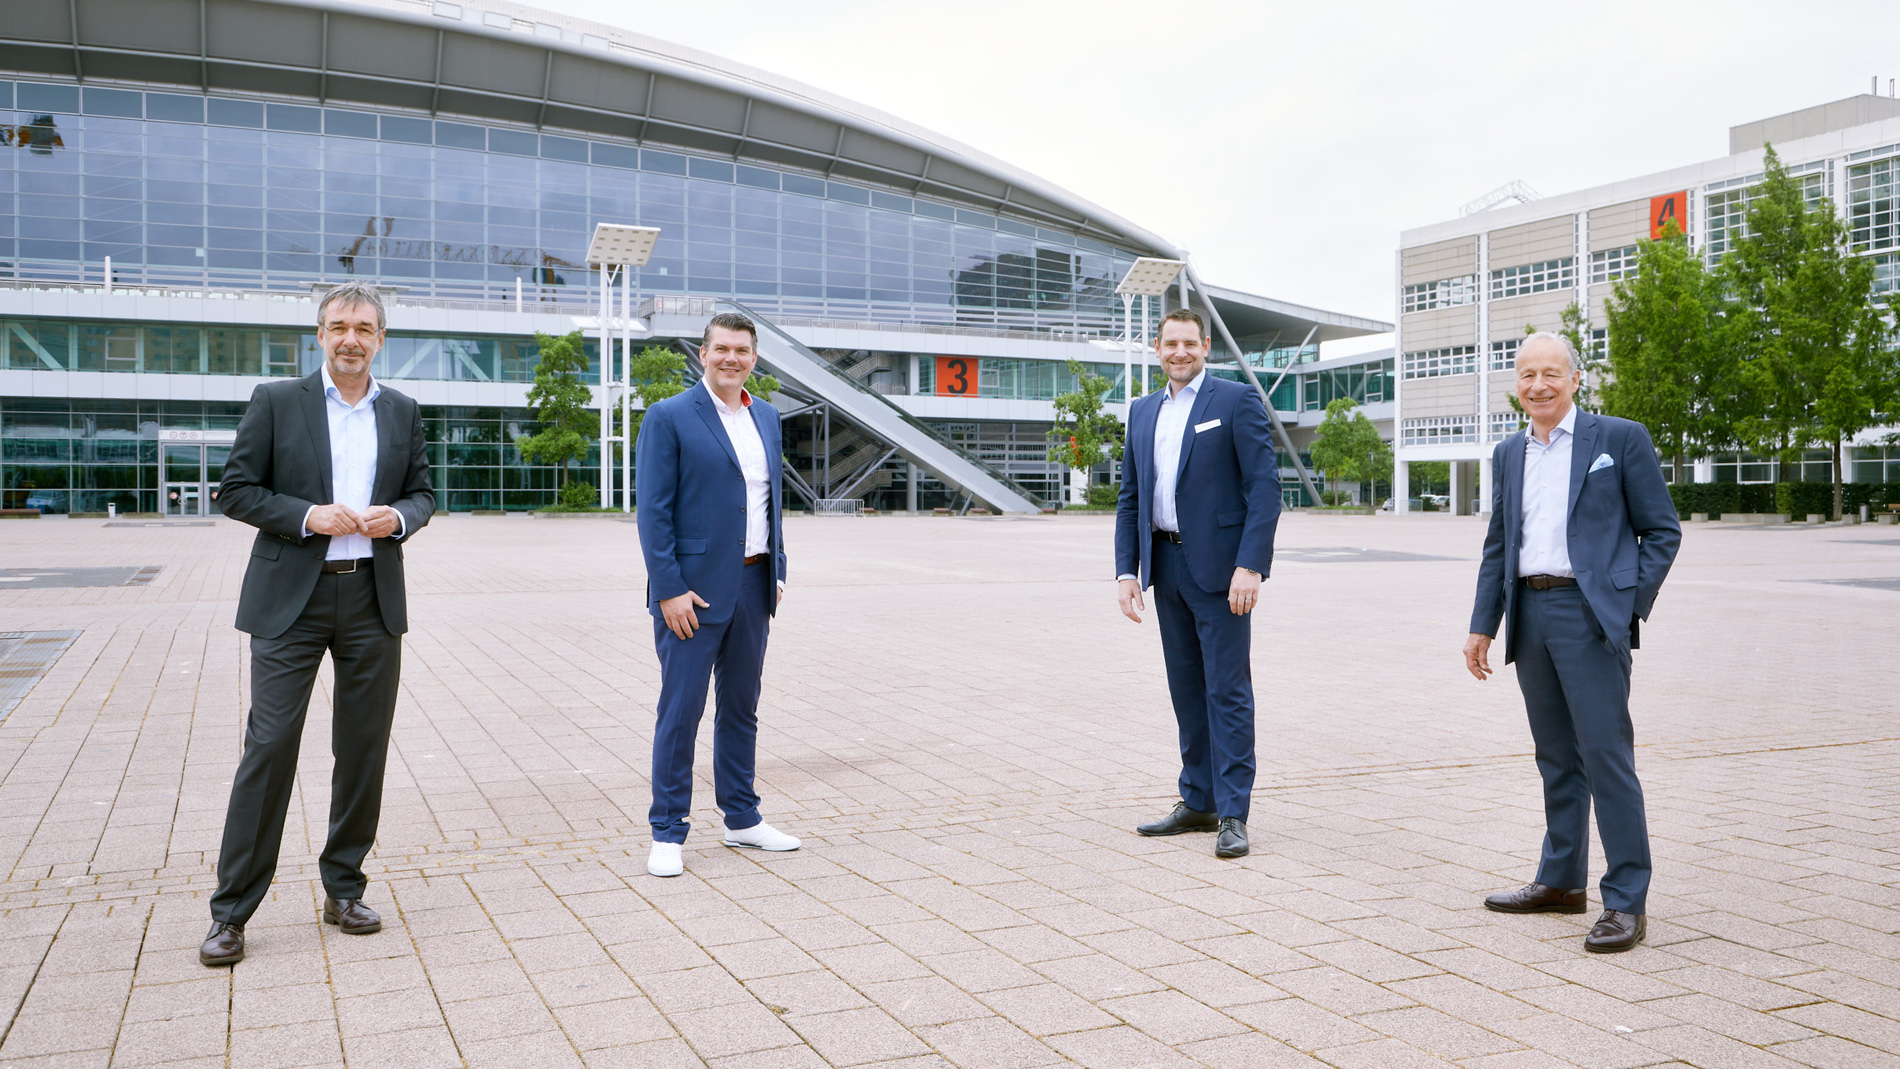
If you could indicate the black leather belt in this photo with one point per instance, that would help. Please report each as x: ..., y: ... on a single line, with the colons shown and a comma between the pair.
x: 1545, y: 582
x: 345, y: 567
x: 1168, y: 536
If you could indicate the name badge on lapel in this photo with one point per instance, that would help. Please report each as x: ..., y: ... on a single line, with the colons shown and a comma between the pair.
x: 1208, y: 426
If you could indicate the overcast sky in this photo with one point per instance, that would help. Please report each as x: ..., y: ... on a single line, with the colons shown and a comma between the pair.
x: 1287, y: 144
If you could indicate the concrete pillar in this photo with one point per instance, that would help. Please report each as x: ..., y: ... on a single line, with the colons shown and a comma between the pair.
x: 1401, y: 487
x: 910, y: 479
x: 1484, y: 486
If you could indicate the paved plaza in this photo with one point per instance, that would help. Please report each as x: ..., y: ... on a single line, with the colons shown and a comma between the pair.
x: 963, y: 730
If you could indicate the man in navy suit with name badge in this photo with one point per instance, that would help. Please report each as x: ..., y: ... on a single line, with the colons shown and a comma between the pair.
x: 707, y: 474
x: 1200, y: 498
x: 1582, y: 533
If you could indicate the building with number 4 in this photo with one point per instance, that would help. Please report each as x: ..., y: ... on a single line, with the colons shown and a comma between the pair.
x: 1468, y: 288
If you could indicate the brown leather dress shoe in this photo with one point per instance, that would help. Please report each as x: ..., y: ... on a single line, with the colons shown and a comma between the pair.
x: 1179, y: 820
x: 351, y: 916
x: 224, y: 945
x: 1615, y: 932
x: 1536, y: 898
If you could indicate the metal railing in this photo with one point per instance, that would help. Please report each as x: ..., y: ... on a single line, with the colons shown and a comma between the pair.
x: 917, y: 440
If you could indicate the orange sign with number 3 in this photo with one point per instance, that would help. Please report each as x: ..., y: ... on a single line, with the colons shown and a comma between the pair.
x: 956, y: 376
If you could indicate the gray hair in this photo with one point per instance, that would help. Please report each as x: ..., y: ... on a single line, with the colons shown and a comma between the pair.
x: 1570, y: 351
x: 349, y: 293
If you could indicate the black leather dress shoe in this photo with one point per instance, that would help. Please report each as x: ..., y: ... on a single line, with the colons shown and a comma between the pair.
x: 351, y: 915
x: 1536, y: 898
x: 1615, y: 932
x: 1232, y: 841
x: 224, y: 945
x: 1182, y: 819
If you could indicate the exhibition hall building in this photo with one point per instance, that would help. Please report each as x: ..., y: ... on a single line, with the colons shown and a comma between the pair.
x: 181, y: 180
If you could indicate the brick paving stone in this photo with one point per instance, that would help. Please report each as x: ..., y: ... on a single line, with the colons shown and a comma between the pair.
x: 970, y: 881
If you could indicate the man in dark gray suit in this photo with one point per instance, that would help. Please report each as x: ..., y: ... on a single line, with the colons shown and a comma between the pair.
x: 332, y: 471
x: 1582, y: 533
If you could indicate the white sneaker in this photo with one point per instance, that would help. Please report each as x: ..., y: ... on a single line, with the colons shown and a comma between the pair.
x: 761, y: 836
x: 664, y: 860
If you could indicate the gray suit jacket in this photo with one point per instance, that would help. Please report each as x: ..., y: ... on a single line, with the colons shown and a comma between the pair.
x: 280, y: 466
x: 1622, y: 531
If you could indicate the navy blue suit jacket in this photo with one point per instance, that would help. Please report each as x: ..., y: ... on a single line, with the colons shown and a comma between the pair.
x: 1226, y: 491
x: 691, y: 511
x: 1621, y: 532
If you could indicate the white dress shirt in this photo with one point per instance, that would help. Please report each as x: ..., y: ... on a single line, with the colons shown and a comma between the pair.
x: 750, y: 449
x: 1170, y: 428
x: 352, y: 463
x: 1546, y: 501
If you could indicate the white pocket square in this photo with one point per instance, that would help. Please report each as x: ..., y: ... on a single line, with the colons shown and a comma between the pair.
x: 1602, y: 461
x: 1208, y: 426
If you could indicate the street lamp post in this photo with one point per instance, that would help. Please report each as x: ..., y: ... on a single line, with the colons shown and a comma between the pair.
x: 1147, y: 277
x: 615, y: 251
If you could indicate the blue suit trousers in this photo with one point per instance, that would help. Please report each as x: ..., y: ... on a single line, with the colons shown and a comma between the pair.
x: 731, y: 655
x: 1577, y: 692
x: 1210, y: 679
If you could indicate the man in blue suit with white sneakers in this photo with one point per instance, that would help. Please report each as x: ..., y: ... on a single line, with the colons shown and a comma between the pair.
x: 1582, y: 533
x: 707, y: 472
x: 1200, y: 499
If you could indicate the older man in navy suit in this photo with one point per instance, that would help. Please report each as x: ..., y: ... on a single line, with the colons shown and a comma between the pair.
x: 1582, y: 533
x: 1200, y: 498
x: 707, y: 472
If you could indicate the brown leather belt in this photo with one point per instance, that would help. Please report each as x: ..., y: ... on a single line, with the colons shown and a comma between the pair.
x: 1168, y: 536
x: 754, y: 559
x: 345, y: 567
x: 1545, y: 582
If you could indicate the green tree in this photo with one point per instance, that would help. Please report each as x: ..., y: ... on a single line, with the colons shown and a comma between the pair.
x: 762, y: 386
x: 1426, y: 476
x: 560, y: 401
x: 1815, y: 370
x: 1083, y: 433
x: 1666, y: 368
x: 1347, y: 446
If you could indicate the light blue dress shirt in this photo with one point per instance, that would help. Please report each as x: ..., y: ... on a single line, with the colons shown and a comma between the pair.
x: 352, y: 462
x: 1546, y: 501
x: 1170, y: 429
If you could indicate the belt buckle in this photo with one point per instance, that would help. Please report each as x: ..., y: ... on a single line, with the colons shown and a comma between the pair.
x: 347, y: 571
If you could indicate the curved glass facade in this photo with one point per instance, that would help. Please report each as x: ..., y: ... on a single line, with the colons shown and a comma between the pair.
x: 206, y: 190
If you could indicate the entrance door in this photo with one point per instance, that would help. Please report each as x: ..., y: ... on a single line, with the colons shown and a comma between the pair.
x: 184, y: 499
x: 182, y: 473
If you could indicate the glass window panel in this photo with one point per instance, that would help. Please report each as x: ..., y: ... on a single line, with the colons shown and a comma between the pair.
x: 514, y: 142
x: 563, y: 148
x: 119, y: 102
x: 803, y: 184
x: 293, y: 117
x: 616, y: 156
x: 716, y: 170
x: 340, y: 123
x: 36, y: 96
x: 225, y: 112
x: 404, y: 128
x: 460, y: 135
x: 757, y: 176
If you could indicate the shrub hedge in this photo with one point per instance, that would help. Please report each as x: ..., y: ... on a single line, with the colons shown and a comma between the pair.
x: 1795, y: 499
